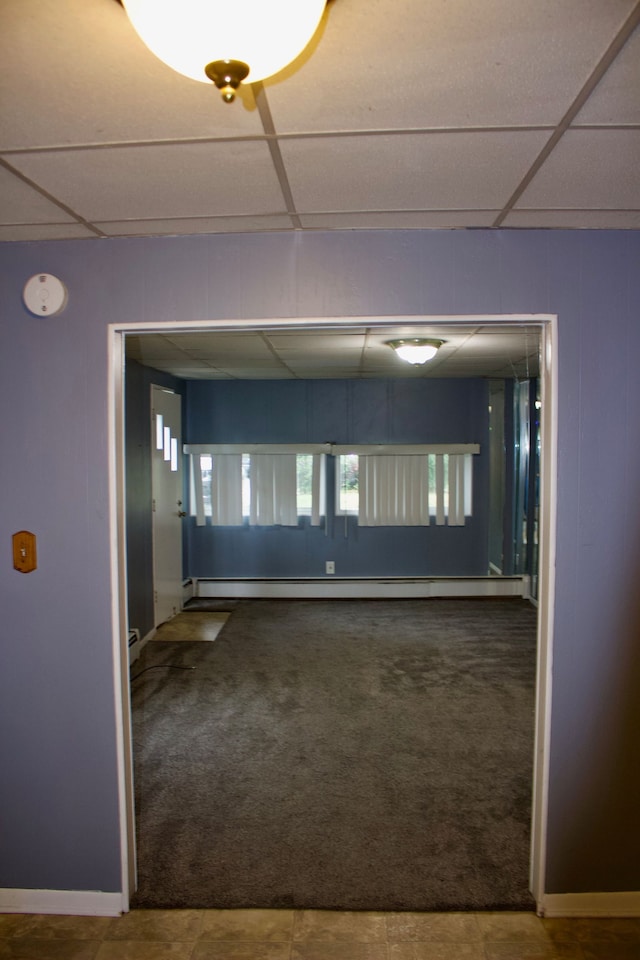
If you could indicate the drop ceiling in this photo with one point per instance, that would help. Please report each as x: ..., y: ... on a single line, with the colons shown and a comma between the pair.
x: 358, y: 352
x: 403, y: 114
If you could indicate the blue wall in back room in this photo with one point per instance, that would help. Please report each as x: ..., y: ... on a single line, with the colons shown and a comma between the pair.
x: 340, y: 411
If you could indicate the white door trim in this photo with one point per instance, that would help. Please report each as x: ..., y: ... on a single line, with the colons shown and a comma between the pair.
x: 120, y: 621
x: 548, y: 495
x: 546, y: 605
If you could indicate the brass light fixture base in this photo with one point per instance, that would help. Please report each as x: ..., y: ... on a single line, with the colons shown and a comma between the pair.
x: 414, y: 342
x: 227, y: 76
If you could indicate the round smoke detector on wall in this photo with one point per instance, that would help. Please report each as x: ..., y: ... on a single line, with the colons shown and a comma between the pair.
x: 44, y: 295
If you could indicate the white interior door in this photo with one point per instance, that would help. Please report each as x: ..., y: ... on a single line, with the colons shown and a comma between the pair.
x: 166, y: 493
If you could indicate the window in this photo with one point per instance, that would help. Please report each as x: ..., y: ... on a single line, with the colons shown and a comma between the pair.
x: 304, y: 483
x: 408, y: 488
x: 347, y: 484
x: 269, y: 484
x: 266, y: 486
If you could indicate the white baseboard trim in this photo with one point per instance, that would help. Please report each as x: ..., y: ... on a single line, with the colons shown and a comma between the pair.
x: 136, y: 647
x: 188, y: 590
x: 79, y: 903
x: 626, y: 904
x: 330, y: 587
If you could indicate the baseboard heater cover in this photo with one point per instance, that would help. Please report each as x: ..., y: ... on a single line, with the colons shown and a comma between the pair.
x: 361, y: 588
x: 79, y: 903
x: 621, y: 904
x: 188, y: 587
x: 137, y: 643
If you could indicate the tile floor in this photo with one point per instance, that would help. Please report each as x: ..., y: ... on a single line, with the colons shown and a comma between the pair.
x: 192, y: 626
x: 315, y: 935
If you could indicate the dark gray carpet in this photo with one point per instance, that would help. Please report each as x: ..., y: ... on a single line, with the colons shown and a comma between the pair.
x: 343, y: 754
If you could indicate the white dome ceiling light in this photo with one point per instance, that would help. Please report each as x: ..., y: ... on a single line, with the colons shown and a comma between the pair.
x: 415, y: 350
x: 226, y: 41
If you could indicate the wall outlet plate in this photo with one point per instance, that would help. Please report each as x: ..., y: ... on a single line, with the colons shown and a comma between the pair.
x: 330, y: 566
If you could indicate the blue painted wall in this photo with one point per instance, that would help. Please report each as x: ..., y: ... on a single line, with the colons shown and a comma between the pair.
x: 341, y: 411
x: 60, y: 825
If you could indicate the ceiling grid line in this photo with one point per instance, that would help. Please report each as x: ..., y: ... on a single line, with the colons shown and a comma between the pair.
x: 276, y: 156
x: 49, y: 197
x: 597, y: 74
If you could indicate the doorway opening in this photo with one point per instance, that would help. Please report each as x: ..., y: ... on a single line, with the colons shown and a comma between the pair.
x: 545, y: 546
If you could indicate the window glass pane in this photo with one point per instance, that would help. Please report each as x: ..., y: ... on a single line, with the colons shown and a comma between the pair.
x: 468, y: 485
x: 304, y: 475
x: 246, y: 484
x: 347, y: 469
x: 446, y: 484
x: 433, y: 496
x: 159, y: 432
x: 206, y: 469
x: 432, y: 484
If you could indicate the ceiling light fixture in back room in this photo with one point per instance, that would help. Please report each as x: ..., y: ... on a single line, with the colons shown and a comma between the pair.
x: 415, y: 350
x: 223, y: 40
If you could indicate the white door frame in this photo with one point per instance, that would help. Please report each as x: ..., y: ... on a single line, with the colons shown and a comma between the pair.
x: 547, y: 553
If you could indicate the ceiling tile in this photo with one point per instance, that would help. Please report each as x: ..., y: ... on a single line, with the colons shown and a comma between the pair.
x: 258, y: 373
x: 252, y: 350
x: 573, y: 174
x: 575, y: 219
x: 193, y: 225
x: 45, y: 231
x: 452, y: 333
x: 351, y: 358
x: 75, y: 71
x: 337, y: 343
x: 616, y: 99
x: 418, y: 65
x: 202, y: 339
x: 187, y: 180
x: 430, y: 171
x: 489, y: 344
x: 203, y: 373
x: 20, y: 203
x: 327, y: 373
x: 400, y: 220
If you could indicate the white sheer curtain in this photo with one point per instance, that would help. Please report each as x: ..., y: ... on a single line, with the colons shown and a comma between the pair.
x: 221, y: 497
x: 456, y: 491
x: 393, y: 491
x: 318, y: 487
x: 226, y: 490
x: 273, y: 490
x: 198, y: 490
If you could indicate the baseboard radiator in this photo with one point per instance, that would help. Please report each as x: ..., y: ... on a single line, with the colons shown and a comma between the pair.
x: 361, y: 588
